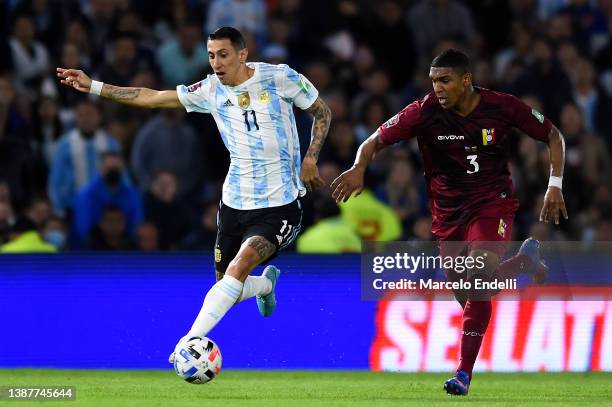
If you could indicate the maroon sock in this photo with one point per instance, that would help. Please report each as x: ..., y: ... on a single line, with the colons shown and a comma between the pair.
x: 476, y: 316
x: 513, y: 267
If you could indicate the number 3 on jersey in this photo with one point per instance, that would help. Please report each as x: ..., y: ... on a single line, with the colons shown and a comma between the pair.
x: 474, y: 163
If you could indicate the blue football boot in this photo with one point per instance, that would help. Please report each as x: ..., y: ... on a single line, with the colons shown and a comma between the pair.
x: 266, y: 304
x: 538, y: 270
x: 458, y: 385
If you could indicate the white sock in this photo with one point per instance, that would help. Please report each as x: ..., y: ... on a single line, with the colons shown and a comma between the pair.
x: 253, y: 286
x: 219, y: 299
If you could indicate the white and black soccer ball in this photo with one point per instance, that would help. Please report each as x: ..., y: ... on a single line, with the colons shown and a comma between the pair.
x: 197, y: 360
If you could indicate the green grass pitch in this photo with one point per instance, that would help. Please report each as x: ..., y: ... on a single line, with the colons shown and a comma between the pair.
x: 313, y: 388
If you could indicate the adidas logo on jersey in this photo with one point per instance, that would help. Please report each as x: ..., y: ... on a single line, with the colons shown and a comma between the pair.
x: 228, y: 103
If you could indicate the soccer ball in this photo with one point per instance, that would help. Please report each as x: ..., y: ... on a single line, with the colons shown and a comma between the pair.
x: 197, y: 360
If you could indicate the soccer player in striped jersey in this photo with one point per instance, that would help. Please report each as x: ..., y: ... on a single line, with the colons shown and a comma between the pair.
x: 260, y: 212
x: 464, y: 133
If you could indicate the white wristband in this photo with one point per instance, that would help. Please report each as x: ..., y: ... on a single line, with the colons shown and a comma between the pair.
x: 554, y: 181
x: 96, y: 87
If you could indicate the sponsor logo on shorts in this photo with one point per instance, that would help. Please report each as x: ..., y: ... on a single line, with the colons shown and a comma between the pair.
x: 217, y: 255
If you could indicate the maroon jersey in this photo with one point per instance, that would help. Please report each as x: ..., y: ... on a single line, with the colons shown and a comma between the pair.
x: 465, y: 158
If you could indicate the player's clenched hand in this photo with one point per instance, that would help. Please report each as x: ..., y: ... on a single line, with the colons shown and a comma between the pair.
x: 553, y: 204
x: 348, y: 182
x: 75, y: 78
x: 310, y: 174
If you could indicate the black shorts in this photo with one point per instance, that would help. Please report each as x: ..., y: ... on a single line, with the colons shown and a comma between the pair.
x: 280, y: 225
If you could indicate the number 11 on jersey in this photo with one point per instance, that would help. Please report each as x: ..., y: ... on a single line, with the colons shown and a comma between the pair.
x: 246, y: 119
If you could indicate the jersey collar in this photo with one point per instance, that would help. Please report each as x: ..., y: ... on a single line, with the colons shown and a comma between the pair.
x: 240, y: 87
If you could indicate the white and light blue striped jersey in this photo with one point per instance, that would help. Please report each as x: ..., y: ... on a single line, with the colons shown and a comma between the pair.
x: 258, y: 128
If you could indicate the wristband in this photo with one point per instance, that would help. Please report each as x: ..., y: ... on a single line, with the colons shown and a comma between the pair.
x: 96, y: 87
x: 554, y: 181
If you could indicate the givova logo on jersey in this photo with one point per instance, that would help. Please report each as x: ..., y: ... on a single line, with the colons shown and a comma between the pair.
x: 451, y: 137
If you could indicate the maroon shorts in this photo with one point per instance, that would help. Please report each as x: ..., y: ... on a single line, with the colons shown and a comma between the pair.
x: 489, y: 228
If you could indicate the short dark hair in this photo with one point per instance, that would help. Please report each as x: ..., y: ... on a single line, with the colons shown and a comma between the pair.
x: 231, y: 34
x: 454, y: 59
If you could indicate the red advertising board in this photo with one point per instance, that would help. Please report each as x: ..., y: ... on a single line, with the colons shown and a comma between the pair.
x: 557, y: 329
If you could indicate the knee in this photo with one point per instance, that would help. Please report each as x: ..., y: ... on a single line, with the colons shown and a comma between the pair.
x: 485, y: 264
x: 241, y: 265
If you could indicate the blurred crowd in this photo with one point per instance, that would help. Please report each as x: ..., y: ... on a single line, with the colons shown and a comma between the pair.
x: 81, y: 173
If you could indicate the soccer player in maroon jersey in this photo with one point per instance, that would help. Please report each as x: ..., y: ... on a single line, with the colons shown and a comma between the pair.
x: 464, y: 134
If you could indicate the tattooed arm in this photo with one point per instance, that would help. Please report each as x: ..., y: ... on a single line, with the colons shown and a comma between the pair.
x: 142, y: 97
x: 320, y: 126
x: 322, y: 117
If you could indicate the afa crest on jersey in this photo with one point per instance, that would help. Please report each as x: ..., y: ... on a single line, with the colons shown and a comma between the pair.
x: 264, y: 96
x: 488, y: 136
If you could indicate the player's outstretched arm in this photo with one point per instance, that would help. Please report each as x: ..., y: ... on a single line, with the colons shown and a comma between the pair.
x: 141, y: 97
x: 351, y: 181
x: 320, y: 126
x: 553, y: 200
